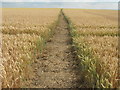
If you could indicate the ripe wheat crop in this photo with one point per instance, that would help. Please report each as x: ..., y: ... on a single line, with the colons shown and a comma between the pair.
x: 24, y: 32
x: 95, y: 36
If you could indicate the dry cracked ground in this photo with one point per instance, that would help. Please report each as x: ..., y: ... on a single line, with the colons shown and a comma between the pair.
x: 57, y: 67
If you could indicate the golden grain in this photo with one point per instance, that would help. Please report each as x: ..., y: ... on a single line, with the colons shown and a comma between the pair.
x: 97, y: 30
x: 22, y: 30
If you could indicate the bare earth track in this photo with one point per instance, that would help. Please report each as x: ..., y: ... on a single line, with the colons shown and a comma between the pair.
x: 57, y: 66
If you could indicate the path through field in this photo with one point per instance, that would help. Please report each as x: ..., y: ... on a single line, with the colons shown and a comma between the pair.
x: 57, y: 67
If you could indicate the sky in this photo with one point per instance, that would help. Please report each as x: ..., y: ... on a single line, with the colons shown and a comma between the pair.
x: 84, y: 4
x: 60, y: 0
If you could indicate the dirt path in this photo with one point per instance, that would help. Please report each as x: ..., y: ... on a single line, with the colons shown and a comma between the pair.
x: 57, y: 67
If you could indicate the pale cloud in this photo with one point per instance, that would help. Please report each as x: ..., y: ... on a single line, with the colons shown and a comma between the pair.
x: 60, y: 0
x: 83, y: 5
x: 88, y: 4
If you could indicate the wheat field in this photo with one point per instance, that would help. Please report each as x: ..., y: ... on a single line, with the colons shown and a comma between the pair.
x: 36, y: 39
x: 22, y: 31
x: 95, y: 34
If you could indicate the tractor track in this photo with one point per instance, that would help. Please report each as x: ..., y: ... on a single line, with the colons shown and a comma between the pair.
x: 57, y: 67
